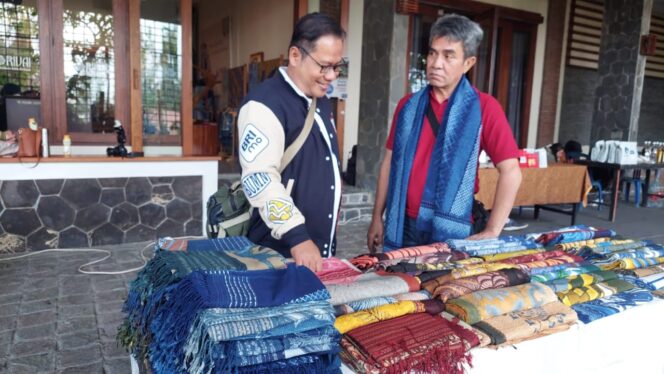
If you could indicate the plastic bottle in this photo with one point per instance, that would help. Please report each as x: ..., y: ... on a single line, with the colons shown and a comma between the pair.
x: 44, y: 142
x: 66, y: 145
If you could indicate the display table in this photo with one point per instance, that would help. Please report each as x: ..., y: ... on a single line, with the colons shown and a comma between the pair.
x: 555, y: 185
x: 616, y: 170
x: 626, y: 342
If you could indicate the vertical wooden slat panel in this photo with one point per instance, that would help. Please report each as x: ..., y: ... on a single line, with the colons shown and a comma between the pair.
x: 122, y: 65
x: 301, y: 7
x: 187, y: 96
x: 52, y: 68
x: 341, y: 105
x: 135, y: 100
x: 45, y: 73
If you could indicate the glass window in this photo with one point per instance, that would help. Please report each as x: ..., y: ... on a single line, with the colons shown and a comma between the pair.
x: 19, y: 63
x: 161, y: 71
x: 89, y: 65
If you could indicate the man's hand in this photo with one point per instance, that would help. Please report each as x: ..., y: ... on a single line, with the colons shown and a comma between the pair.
x: 307, y: 254
x: 487, y: 233
x: 375, y: 234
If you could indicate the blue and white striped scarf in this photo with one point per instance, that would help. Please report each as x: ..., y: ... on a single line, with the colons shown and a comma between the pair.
x: 447, y: 201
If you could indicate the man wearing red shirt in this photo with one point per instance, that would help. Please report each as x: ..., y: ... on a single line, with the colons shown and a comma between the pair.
x: 453, y: 44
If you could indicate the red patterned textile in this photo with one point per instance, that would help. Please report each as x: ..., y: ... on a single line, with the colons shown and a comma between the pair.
x: 337, y: 271
x: 534, y: 257
x: 412, y: 343
x: 368, y: 261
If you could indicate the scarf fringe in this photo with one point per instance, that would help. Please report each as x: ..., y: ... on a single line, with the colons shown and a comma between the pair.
x: 441, y: 359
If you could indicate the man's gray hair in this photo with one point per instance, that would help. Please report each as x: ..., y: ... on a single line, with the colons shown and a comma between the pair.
x: 459, y: 29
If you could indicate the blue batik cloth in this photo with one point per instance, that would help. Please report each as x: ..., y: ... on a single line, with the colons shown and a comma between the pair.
x: 445, y: 210
x: 485, y: 247
x: 573, y: 234
x: 604, y: 307
x: 651, y: 282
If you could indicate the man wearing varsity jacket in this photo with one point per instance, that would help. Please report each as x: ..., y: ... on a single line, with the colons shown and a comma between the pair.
x: 295, y: 209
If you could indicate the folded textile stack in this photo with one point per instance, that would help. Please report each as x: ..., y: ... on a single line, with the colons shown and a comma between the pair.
x: 209, y: 317
x: 348, y: 322
x: 484, y: 304
x: 336, y: 271
x: 175, y: 259
x: 619, y: 274
x: 493, y: 246
x: 606, y: 306
x: 513, y: 314
x: 370, y: 285
x: 571, y: 234
x: 419, y: 342
x: 594, y: 291
x: 373, y: 260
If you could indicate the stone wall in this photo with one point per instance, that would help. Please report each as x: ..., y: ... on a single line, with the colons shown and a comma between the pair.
x: 384, y: 57
x: 577, y: 105
x: 651, y: 120
x: 577, y: 102
x: 374, y: 89
x: 76, y: 213
x: 620, y: 72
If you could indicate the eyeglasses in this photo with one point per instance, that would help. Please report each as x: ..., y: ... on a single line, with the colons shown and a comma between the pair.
x: 324, y: 69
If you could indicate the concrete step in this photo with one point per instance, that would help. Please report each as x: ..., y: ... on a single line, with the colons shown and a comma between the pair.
x: 355, y: 197
x: 355, y: 213
x: 356, y: 204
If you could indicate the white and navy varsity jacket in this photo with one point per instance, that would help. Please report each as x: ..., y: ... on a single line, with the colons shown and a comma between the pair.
x: 303, y: 201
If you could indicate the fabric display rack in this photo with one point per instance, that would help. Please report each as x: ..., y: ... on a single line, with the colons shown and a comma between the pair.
x: 577, y: 299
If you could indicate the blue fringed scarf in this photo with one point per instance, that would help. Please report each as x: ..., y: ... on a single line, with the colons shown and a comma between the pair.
x: 176, y: 308
x: 448, y: 194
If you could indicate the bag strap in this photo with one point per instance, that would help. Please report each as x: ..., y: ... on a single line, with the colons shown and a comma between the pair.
x: 433, y: 121
x: 295, y: 147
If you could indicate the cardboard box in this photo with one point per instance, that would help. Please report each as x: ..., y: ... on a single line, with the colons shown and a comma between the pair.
x: 528, y: 159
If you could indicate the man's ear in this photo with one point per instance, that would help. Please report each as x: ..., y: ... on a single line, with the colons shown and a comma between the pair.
x: 469, y: 63
x: 294, y: 56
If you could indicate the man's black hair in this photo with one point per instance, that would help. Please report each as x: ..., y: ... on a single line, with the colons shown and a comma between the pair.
x: 573, y: 150
x: 312, y: 27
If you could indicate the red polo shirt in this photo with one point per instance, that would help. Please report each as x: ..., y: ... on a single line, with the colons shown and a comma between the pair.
x: 496, y: 139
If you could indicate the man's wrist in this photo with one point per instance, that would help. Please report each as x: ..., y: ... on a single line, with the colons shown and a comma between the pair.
x: 494, y: 230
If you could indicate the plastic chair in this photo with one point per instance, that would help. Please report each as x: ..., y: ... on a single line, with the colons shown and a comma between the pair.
x: 626, y: 184
x: 597, y: 185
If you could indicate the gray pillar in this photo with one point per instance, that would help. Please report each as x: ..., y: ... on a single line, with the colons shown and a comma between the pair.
x: 384, y: 49
x: 621, y: 70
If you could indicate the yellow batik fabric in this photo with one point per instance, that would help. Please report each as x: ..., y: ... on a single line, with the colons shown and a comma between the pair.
x: 633, y: 263
x: 476, y: 269
x: 594, y: 291
x: 502, y: 256
x: 352, y: 321
x: 484, y: 304
x: 584, y: 243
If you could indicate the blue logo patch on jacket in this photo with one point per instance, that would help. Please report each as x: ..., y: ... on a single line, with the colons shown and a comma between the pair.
x: 254, y: 184
x: 252, y: 143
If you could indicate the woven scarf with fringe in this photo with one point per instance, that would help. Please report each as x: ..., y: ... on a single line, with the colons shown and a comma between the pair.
x: 223, y: 339
x: 420, y: 342
x: 447, y: 199
x: 173, y: 310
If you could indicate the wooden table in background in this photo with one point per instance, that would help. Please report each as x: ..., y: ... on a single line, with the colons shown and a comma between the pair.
x: 558, y: 184
x: 616, y: 170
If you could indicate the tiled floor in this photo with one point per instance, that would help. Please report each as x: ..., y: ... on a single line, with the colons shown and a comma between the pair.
x: 54, y: 319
